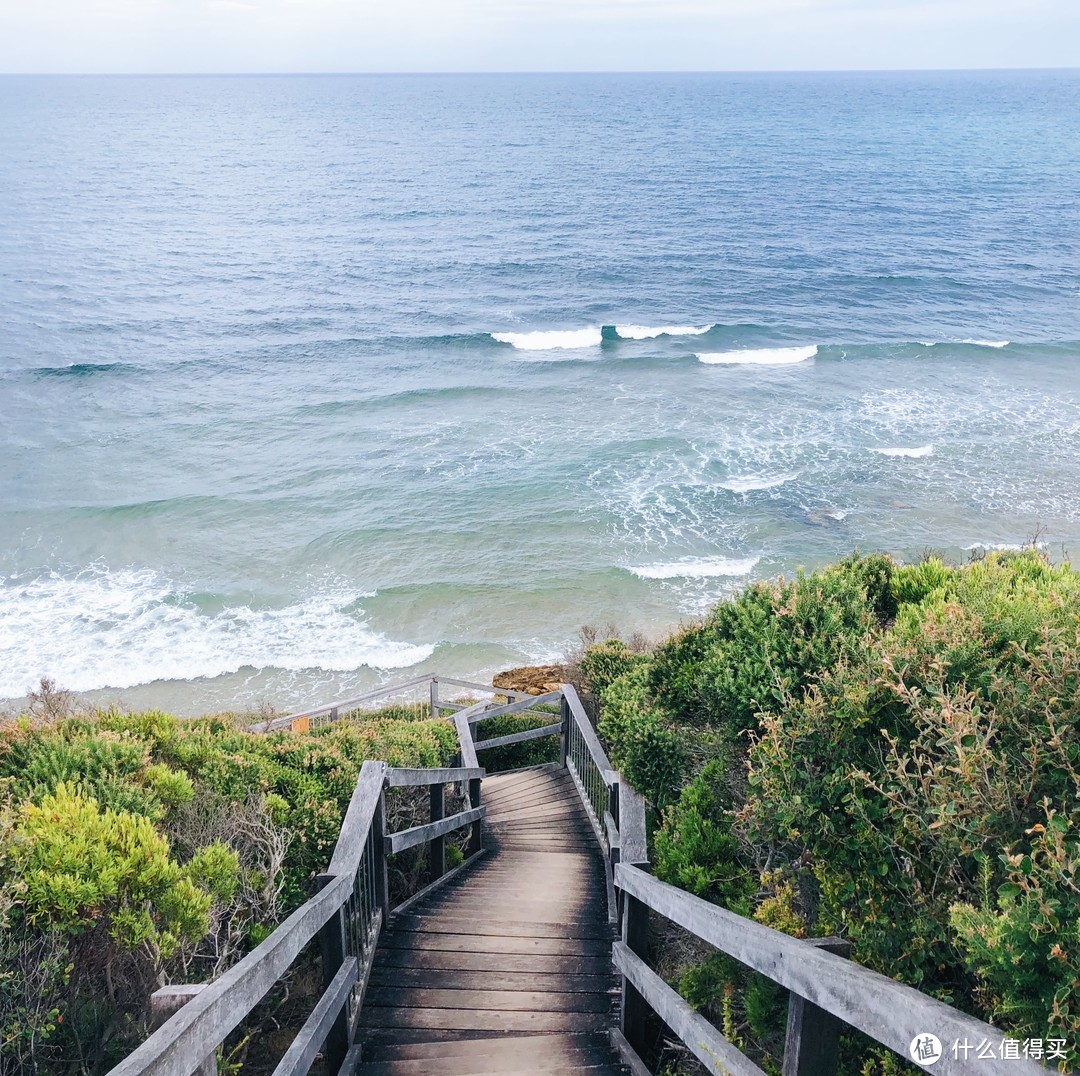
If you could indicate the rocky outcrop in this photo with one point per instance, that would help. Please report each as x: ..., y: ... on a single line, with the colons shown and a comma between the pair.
x: 532, y: 679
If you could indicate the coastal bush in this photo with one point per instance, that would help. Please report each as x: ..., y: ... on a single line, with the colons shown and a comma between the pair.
x: 138, y: 849
x: 884, y: 752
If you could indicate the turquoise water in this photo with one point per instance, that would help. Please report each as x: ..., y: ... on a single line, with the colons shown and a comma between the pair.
x: 305, y: 383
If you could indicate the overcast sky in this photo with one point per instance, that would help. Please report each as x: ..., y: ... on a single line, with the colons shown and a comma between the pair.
x: 533, y: 35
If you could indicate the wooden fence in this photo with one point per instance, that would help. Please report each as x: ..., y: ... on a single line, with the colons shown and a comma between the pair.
x: 826, y: 991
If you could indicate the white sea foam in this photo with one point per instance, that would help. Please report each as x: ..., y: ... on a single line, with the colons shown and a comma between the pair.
x: 968, y: 340
x: 553, y: 340
x: 697, y: 569
x: 912, y: 453
x: 1003, y: 547
x: 118, y: 629
x: 650, y: 332
x: 768, y: 356
x: 755, y: 482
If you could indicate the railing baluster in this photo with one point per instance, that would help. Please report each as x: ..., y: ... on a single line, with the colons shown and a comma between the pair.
x: 332, y: 945
x: 437, y: 845
x: 812, y: 1042
x: 381, y: 850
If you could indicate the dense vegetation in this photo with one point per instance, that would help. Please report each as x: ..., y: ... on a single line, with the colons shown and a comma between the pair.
x: 137, y: 850
x: 889, y: 753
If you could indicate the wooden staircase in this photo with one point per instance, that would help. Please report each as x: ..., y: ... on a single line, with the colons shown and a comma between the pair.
x: 506, y: 969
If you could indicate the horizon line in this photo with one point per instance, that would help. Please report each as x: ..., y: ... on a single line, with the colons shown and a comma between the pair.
x: 540, y: 72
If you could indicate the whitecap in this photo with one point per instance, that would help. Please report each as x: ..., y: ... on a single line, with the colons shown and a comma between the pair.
x: 769, y: 356
x: 696, y: 569
x: 104, y: 629
x: 756, y: 482
x: 551, y: 340
x: 650, y: 332
x: 912, y: 453
x: 987, y: 343
x: 1003, y: 547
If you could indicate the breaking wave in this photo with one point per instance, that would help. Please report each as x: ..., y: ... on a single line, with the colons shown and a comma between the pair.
x: 769, y: 356
x: 103, y: 629
x: 697, y: 569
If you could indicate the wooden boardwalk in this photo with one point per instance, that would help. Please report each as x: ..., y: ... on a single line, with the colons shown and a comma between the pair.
x: 507, y: 968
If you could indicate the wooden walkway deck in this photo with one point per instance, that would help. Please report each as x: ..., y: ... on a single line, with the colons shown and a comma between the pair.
x: 506, y: 969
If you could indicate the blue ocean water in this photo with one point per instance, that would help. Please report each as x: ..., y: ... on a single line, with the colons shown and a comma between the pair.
x: 306, y: 382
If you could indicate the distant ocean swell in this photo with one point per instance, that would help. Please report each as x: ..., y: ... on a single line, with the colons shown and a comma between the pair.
x: 739, y: 340
x: 135, y: 626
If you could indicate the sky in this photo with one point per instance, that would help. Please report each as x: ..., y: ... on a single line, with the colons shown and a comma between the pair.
x: 248, y: 36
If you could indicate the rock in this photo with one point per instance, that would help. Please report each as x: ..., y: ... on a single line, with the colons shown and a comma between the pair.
x: 532, y: 679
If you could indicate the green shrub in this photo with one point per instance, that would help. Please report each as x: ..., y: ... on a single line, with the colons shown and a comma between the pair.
x: 135, y: 848
x: 900, y: 746
x: 605, y: 662
x: 645, y: 745
x: 695, y: 849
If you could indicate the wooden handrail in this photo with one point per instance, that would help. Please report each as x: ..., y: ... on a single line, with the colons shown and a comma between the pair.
x: 357, y: 821
x: 341, y: 704
x: 409, y: 838
x: 711, y: 1048
x: 178, y: 1047
x: 476, y: 715
x: 401, y: 777
x: 588, y: 733
x: 520, y: 737
x: 889, y: 1012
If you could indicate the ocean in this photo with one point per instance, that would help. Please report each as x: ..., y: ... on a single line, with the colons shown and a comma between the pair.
x: 312, y: 383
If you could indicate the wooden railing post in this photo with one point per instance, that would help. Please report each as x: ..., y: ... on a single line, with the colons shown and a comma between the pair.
x: 332, y: 951
x: 564, y: 736
x: 381, y: 850
x: 167, y: 1002
x: 434, y: 698
x: 437, y: 845
x: 634, y: 1009
x: 811, y: 1046
x: 476, y: 838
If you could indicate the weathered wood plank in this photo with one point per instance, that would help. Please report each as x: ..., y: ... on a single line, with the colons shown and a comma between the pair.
x: 398, y: 777
x: 300, y: 1055
x: 445, y: 882
x: 537, y: 811
x: 357, y: 822
x: 492, y: 1019
x: 538, y: 963
x: 531, y: 802
x: 633, y: 847
x: 888, y: 1011
x: 627, y: 1054
x: 509, y: 692
x: 484, y: 926
x: 495, y: 1000
x: 812, y: 1038
x: 491, y: 1044
x: 513, y: 707
x: 469, y: 943
x: 409, y: 838
x: 517, y: 737
x: 468, y: 751
x: 513, y: 907
x: 702, y: 1039
x: 493, y: 979
x: 527, y: 1062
